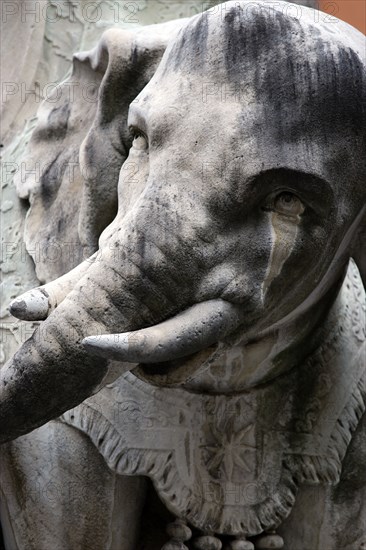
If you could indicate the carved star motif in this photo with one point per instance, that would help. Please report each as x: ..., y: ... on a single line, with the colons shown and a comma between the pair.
x: 229, y: 450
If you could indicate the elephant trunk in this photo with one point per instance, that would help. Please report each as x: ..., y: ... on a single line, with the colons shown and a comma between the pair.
x: 48, y: 374
x: 52, y: 372
x: 131, y: 286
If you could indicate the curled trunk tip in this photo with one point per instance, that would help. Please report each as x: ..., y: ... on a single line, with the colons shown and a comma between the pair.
x: 33, y: 305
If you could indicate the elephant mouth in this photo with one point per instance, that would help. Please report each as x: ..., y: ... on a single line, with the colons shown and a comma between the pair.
x: 177, y: 371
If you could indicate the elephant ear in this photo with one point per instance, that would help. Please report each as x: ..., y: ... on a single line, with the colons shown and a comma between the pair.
x: 130, y: 59
x: 70, y: 170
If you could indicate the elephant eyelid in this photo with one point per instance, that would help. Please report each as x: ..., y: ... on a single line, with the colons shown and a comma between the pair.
x: 136, y: 132
x: 314, y: 192
x: 136, y: 121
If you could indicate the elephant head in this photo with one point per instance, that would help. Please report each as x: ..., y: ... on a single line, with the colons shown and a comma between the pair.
x: 245, y: 202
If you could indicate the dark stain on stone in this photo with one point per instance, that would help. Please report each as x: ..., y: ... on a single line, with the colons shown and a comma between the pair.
x: 58, y: 121
x: 190, y: 49
x: 19, y: 307
x: 51, y: 180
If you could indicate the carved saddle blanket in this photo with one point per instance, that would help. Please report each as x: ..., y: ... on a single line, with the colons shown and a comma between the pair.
x: 231, y: 464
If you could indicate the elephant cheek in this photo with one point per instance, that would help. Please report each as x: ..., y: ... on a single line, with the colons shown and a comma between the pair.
x: 132, y: 181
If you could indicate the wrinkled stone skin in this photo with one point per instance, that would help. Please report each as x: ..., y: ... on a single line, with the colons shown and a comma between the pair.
x: 236, y: 195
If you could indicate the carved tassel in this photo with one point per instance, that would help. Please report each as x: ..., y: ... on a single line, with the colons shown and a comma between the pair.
x: 179, y: 533
x: 269, y: 541
x: 240, y: 543
x: 207, y: 542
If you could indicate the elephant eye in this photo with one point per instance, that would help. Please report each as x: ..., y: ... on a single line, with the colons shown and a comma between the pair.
x: 139, y: 141
x: 286, y: 203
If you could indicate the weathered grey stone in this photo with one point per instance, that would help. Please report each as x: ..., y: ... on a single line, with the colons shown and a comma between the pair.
x: 233, y: 243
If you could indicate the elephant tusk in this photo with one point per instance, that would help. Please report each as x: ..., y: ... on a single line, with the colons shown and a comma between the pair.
x: 196, y: 328
x: 38, y: 303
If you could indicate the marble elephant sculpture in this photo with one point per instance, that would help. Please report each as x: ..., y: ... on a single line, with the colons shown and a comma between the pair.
x: 246, y: 206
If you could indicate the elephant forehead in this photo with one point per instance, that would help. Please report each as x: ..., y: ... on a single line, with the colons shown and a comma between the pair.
x: 178, y: 111
x: 219, y: 137
x: 279, y: 90
x: 238, y: 35
x: 299, y: 72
